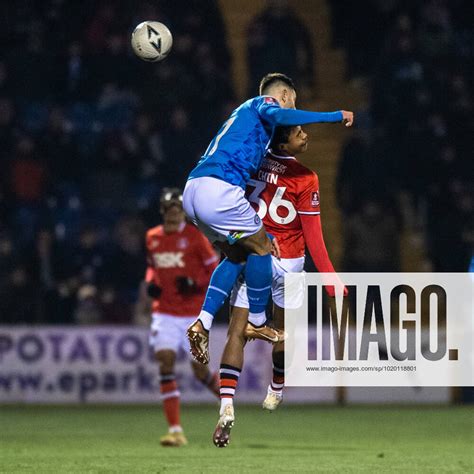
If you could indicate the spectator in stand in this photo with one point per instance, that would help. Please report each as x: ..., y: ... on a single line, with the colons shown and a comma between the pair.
x: 367, y: 171
x: 85, y: 136
x: 18, y: 290
x: 74, y: 75
x: 28, y: 172
x: 126, y: 263
x: 422, y: 78
x: 104, y: 21
x: 435, y: 28
x: 8, y: 128
x: 56, y: 289
x: 86, y: 263
x: 107, y: 183
x: 372, y: 240
x: 144, y: 146
x: 58, y: 144
x: 398, y: 80
x: 113, y: 64
x: 6, y: 86
x: 8, y: 257
x: 36, y: 58
x: 183, y: 144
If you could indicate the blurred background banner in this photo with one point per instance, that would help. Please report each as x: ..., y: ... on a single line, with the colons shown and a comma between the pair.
x: 114, y: 365
x: 104, y: 364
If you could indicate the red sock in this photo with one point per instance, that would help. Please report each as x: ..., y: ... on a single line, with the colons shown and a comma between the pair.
x: 170, y: 396
x: 229, y: 377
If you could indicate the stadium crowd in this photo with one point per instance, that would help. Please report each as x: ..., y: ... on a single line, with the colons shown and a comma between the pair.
x: 89, y: 135
x: 412, y: 163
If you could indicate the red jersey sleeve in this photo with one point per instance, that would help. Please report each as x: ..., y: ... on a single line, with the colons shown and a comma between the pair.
x: 307, y: 202
x: 151, y: 275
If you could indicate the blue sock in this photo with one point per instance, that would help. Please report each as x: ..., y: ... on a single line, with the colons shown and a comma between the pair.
x: 258, y: 276
x: 222, y: 281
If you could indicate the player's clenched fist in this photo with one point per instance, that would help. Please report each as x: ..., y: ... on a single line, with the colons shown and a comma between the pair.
x: 347, y: 118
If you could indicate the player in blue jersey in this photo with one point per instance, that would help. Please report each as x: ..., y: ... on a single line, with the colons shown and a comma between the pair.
x: 214, y: 198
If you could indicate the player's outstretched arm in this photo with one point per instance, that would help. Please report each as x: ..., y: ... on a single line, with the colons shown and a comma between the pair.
x: 313, y: 236
x: 291, y: 117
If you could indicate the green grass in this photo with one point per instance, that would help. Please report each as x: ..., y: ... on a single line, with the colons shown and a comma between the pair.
x: 295, y: 439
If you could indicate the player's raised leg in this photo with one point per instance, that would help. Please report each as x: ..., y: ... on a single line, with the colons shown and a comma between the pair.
x: 209, y: 379
x: 250, y: 242
x: 170, y: 396
x: 222, y: 280
x: 258, y: 273
x: 231, y: 365
x: 275, y: 389
x: 258, y: 276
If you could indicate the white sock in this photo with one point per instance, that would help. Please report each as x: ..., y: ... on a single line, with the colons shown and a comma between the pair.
x: 175, y: 429
x: 206, y: 319
x: 257, y: 319
x: 277, y: 392
x: 224, y: 402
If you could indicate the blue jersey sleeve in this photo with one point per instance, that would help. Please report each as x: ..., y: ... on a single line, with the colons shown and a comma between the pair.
x: 270, y: 111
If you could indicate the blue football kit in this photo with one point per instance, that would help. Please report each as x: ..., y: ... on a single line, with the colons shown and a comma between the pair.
x: 237, y: 150
x: 220, y: 208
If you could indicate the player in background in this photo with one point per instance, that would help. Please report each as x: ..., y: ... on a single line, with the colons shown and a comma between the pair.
x: 286, y: 196
x: 180, y: 263
x: 214, y: 198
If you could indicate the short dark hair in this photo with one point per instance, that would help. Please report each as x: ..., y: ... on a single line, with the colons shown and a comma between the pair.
x: 273, y: 78
x: 281, y: 136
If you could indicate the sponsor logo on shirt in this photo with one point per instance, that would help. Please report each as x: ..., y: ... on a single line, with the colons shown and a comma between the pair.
x: 315, y: 199
x: 168, y: 260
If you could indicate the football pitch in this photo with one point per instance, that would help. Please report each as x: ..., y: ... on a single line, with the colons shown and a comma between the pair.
x: 293, y: 439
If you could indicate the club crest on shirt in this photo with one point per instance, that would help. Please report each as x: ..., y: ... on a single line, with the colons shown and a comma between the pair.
x: 182, y: 243
x: 315, y: 199
x: 154, y: 244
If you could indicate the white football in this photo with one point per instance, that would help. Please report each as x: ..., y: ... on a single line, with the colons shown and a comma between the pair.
x: 152, y: 41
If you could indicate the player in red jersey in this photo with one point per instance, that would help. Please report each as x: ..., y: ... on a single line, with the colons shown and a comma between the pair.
x: 180, y: 263
x: 285, y: 195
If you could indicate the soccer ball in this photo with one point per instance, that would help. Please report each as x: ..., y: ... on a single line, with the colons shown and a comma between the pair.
x: 151, y: 41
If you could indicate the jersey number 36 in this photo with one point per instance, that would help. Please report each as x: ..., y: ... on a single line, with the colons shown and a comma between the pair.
x: 276, y: 202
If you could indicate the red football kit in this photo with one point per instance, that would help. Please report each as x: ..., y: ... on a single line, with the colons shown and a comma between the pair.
x: 285, y: 194
x: 185, y: 253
